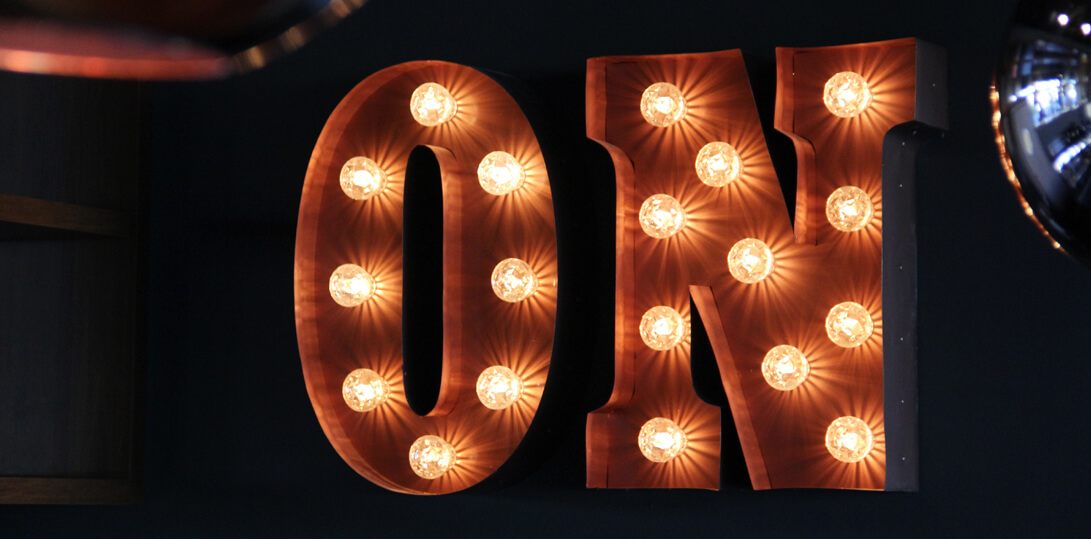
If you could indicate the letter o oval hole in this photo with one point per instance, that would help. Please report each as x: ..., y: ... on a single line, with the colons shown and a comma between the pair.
x: 354, y: 319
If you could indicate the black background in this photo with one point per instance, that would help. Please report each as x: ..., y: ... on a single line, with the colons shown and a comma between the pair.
x: 233, y: 447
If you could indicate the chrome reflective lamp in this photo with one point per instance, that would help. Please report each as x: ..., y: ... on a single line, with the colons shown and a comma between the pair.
x: 1042, y: 117
x: 178, y: 40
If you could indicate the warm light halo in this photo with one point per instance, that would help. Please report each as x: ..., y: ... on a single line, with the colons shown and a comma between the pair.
x: 500, y: 173
x: 661, y: 440
x: 365, y: 390
x: 661, y: 216
x: 849, y: 209
x: 350, y: 285
x: 847, y: 94
x: 750, y: 260
x: 718, y: 164
x: 431, y: 456
x: 662, y: 328
x: 849, y: 324
x: 785, y: 368
x: 513, y: 280
x: 362, y: 178
x: 498, y: 387
x: 432, y: 104
x: 849, y: 439
x: 662, y: 104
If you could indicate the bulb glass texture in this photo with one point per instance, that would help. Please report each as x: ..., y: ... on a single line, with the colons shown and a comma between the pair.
x: 350, y: 285
x: 661, y: 216
x: 849, y: 209
x: 847, y: 94
x: 362, y: 178
x: 662, y: 104
x: 498, y: 387
x: 513, y: 280
x: 364, y: 390
x: 849, y: 439
x: 432, y: 104
x: 662, y: 328
x: 661, y: 439
x: 718, y: 164
x: 431, y: 456
x: 750, y: 261
x: 500, y: 173
x: 849, y: 324
x: 785, y: 368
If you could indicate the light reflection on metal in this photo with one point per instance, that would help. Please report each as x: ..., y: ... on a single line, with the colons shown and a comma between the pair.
x: 1042, y: 117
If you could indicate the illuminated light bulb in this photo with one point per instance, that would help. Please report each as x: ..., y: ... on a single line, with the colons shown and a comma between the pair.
x: 432, y: 104
x: 364, y: 390
x: 849, y: 324
x: 362, y: 178
x: 847, y: 94
x: 849, y: 209
x: 662, y: 104
x: 849, y: 439
x: 350, y: 285
x: 661, y: 216
x: 513, y: 280
x: 718, y: 164
x: 750, y: 261
x: 1062, y: 19
x: 784, y: 367
x: 500, y: 173
x: 661, y: 440
x: 662, y: 328
x: 499, y: 387
x: 431, y: 456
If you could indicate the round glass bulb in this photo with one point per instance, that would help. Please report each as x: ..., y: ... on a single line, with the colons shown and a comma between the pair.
x: 847, y: 94
x: 432, y: 104
x: 431, y: 456
x: 849, y: 324
x: 500, y: 173
x: 364, y: 390
x: 350, y: 285
x: 362, y: 178
x: 661, y: 216
x: 662, y: 328
x: 849, y: 439
x: 718, y: 164
x: 784, y: 367
x: 661, y: 439
x: 499, y: 387
x: 662, y: 104
x: 849, y: 209
x: 750, y: 260
x: 513, y: 280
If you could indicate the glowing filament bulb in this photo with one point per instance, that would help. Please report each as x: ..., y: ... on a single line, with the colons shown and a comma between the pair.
x: 849, y: 209
x: 431, y: 456
x: 662, y: 328
x: 513, y: 280
x: 847, y: 94
x: 432, y: 104
x: 498, y: 387
x: 500, y: 173
x: 849, y: 324
x: 362, y: 178
x: 750, y: 261
x: 350, y: 285
x: 661, y: 440
x: 661, y: 216
x: 718, y: 164
x: 364, y: 390
x: 849, y: 439
x: 662, y: 104
x: 784, y: 367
